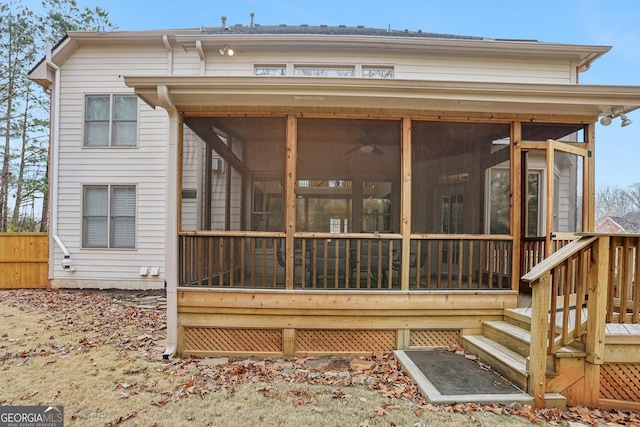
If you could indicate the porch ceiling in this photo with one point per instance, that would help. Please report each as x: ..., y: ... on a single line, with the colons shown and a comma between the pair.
x: 204, y: 93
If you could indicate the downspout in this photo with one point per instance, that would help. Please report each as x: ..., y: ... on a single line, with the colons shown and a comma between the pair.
x: 53, y: 167
x: 171, y: 223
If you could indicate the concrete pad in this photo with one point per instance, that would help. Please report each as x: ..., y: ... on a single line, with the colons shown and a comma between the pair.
x: 445, y: 377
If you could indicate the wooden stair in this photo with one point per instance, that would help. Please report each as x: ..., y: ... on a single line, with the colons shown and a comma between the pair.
x: 504, y: 345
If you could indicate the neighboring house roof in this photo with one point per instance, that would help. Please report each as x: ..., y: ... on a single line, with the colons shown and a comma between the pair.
x: 628, y: 223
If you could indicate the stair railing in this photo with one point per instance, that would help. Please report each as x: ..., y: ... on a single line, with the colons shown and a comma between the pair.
x: 569, y: 280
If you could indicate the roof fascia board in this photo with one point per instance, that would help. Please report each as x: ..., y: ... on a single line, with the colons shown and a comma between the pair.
x: 431, y: 45
x: 187, y: 38
x: 471, y: 96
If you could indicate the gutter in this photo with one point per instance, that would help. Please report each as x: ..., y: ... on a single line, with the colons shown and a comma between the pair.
x: 171, y: 222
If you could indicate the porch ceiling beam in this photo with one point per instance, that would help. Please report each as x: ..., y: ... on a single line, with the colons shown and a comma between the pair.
x: 202, y: 127
x: 197, y: 93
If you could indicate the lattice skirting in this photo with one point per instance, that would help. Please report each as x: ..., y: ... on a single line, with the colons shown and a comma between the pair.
x: 345, y: 340
x: 619, y: 381
x: 434, y: 338
x: 332, y: 341
x: 232, y: 340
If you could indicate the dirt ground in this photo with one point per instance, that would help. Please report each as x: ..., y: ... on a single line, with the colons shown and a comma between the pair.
x: 99, y: 354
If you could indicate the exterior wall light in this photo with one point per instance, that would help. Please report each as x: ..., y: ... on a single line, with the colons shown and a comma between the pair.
x: 616, y: 112
x: 226, y: 50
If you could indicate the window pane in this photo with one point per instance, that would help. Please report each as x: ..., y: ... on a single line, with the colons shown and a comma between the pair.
x: 324, y: 72
x: 95, y: 216
x: 124, y: 134
x: 123, y: 232
x: 125, y: 108
x: 95, y: 232
x: 97, y: 108
x: 533, y: 204
x: 97, y: 134
x: 270, y: 71
x: 123, y: 200
x: 500, y: 190
x: 123, y: 208
x: 377, y: 73
x: 95, y: 201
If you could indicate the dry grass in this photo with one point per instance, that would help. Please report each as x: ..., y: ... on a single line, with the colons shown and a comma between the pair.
x: 107, y: 371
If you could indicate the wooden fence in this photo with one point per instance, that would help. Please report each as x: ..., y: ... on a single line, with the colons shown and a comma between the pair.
x: 24, y: 260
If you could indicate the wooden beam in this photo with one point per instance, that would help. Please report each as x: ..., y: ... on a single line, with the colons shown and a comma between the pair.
x: 515, y: 200
x: 539, y: 339
x: 204, y: 129
x: 550, y: 197
x: 344, y: 300
x: 589, y: 178
x: 208, y: 187
x: 596, y: 321
x: 405, y: 204
x: 336, y: 321
x: 290, y: 198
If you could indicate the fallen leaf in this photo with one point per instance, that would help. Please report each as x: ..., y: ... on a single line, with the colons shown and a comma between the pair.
x: 161, y: 402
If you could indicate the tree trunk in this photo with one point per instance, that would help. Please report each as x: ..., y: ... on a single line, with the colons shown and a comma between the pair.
x: 15, y: 220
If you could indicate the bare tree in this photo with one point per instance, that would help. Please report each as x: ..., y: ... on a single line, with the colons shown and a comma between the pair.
x: 611, y: 201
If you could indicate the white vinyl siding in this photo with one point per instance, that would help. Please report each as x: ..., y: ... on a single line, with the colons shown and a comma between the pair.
x: 94, y: 71
x: 111, y: 121
x: 109, y: 217
x: 405, y: 66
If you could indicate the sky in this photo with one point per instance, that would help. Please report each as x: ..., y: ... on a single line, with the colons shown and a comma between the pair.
x: 584, y: 22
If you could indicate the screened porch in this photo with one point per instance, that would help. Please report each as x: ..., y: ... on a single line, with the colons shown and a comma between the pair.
x: 382, y: 204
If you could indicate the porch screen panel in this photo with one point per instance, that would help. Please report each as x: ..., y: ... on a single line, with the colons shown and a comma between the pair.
x: 567, y: 211
x: 449, y: 174
x: 348, y: 176
x: 232, y: 179
x: 224, y: 158
x: 460, y: 177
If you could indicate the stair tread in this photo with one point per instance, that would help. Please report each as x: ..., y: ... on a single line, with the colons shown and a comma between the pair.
x: 510, y: 329
x: 496, y: 350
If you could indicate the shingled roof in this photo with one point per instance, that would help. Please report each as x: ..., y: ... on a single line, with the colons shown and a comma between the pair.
x: 339, y: 30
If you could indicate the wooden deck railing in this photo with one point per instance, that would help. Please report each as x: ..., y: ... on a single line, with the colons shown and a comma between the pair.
x: 534, y: 251
x: 575, y: 292
x: 623, y: 303
x: 345, y: 261
x: 230, y: 259
x: 460, y: 262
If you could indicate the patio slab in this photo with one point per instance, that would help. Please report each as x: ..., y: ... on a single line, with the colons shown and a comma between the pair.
x: 446, y: 377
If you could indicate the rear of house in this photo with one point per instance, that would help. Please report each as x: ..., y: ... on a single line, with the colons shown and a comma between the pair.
x: 318, y: 190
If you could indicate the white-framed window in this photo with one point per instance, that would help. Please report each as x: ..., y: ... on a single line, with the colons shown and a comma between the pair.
x: 270, y: 70
x: 348, y: 70
x: 111, y: 121
x: 377, y: 72
x: 109, y: 216
x: 313, y: 71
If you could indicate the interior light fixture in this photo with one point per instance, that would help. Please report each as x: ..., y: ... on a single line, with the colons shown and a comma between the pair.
x: 226, y: 50
x: 616, y: 112
x: 366, y: 148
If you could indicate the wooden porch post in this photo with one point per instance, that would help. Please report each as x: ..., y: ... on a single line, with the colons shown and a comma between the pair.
x: 516, y: 174
x: 539, y: 339
x: 589, y: 177
x: 596, y: 319
x: 550, y: 165
x: 290, y: 198
x: 405, y: 206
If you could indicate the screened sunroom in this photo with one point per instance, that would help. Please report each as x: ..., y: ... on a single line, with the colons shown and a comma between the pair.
x: 304, y: 202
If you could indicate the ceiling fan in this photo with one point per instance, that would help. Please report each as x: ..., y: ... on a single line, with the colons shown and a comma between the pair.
x: 366, y: 144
